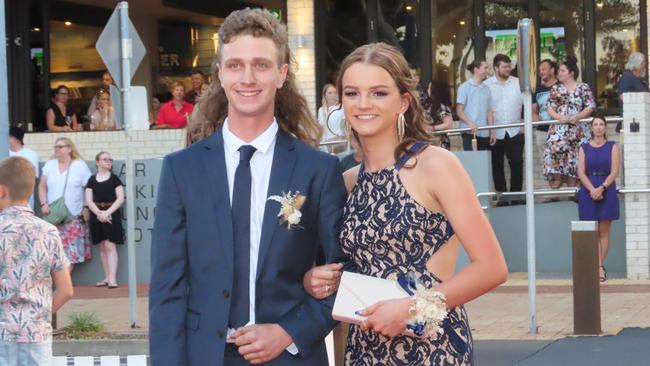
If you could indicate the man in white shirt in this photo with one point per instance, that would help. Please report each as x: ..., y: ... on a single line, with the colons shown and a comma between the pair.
x: 17, y: 148
x: 506, y: 104
x: 228, y: 259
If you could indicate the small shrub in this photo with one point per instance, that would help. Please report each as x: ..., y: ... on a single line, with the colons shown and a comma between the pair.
x: 85, y: 325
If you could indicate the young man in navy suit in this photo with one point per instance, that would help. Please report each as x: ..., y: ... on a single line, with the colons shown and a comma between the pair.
x: 242, y: 215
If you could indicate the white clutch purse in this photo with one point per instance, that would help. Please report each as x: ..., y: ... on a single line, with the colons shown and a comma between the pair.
x: 356, y: 292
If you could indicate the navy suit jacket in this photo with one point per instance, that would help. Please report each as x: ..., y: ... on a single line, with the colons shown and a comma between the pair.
x: 192, y: 253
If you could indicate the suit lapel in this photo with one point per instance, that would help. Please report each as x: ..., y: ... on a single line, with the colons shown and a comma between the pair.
x: 284, y: 159
x: 214, y: 161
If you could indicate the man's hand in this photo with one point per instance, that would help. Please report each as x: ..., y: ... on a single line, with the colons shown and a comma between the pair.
x: 493, y: 138
x: 261, y: 343
x: 473, y: 126
x: 322, y: 281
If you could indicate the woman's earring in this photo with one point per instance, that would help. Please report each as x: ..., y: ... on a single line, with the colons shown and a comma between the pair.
x: 401, y: 122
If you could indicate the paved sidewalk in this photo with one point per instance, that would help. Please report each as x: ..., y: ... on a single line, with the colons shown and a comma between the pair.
x: 499, y: 315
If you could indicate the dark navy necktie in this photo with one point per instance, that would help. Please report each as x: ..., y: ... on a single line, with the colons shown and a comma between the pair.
x: 241, y: 224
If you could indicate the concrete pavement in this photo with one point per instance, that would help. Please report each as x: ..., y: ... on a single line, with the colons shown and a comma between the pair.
x: 499, y: 320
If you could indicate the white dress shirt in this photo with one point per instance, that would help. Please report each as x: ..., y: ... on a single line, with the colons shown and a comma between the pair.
x: 506, y: 104
x: 260, y: 173
x: 261, y: 163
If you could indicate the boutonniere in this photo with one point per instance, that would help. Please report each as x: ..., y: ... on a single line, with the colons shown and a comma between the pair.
x: 290, y: 204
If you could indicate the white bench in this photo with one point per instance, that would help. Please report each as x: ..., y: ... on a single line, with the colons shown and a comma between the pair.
x: 139, y: 360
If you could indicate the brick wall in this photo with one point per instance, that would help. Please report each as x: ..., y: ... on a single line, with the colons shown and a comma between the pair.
x: 144, y: 144
x: 300, y: 19
x: 637, y: 176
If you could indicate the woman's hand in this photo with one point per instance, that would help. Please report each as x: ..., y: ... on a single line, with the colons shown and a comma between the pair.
x: 104, y: 217
x: 45, y: 209
x: 597, y: 193
x: 85, y: 213
x: 574, y: 120
x: 388, y: 318
x: 322, y: 281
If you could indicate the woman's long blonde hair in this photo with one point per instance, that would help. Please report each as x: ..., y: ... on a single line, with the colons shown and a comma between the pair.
x: 391, y: 59
x: 291, y: 110
x: 74, y: 153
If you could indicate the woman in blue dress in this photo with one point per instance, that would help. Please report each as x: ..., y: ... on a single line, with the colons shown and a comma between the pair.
x: 598, y: 165
x: 410, y: 206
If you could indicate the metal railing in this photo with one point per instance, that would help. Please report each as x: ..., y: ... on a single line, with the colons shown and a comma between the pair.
x: 458, y: 131
x: 553, y: 193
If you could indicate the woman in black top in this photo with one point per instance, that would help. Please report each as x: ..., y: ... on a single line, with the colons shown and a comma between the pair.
x: 439, y: 102
x: 104, y: 197
x: 58, y: 117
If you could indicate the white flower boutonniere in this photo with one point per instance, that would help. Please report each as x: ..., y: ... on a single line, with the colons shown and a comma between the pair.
x: 290, y: 207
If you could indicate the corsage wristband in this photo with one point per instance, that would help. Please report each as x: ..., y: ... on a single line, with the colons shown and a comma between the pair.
x: 429, y: 307
x: 430, y: 310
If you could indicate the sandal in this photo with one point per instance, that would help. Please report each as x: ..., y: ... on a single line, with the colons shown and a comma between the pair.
x: 113, y: 285
x: 603, y: 274
x: 103, y: 283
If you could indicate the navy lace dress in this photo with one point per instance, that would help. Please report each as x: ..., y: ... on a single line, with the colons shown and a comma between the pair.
x: 386, y: 233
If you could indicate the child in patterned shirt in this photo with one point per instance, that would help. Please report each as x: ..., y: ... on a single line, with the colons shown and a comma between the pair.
x: 31, y: 260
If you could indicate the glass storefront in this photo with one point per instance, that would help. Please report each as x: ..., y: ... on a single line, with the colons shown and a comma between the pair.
x: 618, y: 33
x: 180, y: 36
x: 501, y: 19
x: 452, y: 41
x: 600, y: 34
x: 51, y: 42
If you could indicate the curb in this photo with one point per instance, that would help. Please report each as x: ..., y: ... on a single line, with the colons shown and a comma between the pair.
x: 100, y: 347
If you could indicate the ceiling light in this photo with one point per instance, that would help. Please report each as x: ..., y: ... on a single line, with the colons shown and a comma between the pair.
x: 462, y: 22
x: 67, y: 23
x: 409, y: 7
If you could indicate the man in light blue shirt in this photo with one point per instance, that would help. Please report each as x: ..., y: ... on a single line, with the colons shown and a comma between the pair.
x: 472, y: 106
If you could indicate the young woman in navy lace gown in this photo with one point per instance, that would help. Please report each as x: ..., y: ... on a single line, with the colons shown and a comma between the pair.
x: 410, y: 206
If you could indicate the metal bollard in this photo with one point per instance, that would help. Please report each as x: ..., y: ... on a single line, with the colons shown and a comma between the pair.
x: 586, y: 285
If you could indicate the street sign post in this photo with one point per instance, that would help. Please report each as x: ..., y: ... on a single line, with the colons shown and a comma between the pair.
x: 527, y: 66
x: 122, y: 51
x: 4, y: 93
x: 111, y: 47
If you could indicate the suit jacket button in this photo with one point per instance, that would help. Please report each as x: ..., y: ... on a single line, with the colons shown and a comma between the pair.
x: 226, y: 293
x: 220, y: 333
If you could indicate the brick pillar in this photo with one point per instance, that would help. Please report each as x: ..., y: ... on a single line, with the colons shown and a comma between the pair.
x: 300, y: 22
x: 637, y: 176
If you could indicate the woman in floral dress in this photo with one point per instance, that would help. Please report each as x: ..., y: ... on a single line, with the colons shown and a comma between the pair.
x: 569, y: 102
x: 66, y: 176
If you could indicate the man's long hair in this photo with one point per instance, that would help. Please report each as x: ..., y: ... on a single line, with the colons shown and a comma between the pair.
x: 291, y: 109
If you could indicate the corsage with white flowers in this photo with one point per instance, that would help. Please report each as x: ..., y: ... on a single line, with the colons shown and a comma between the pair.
x: 290, y: 204
x: 429, y: 308
x: 430, y: 312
